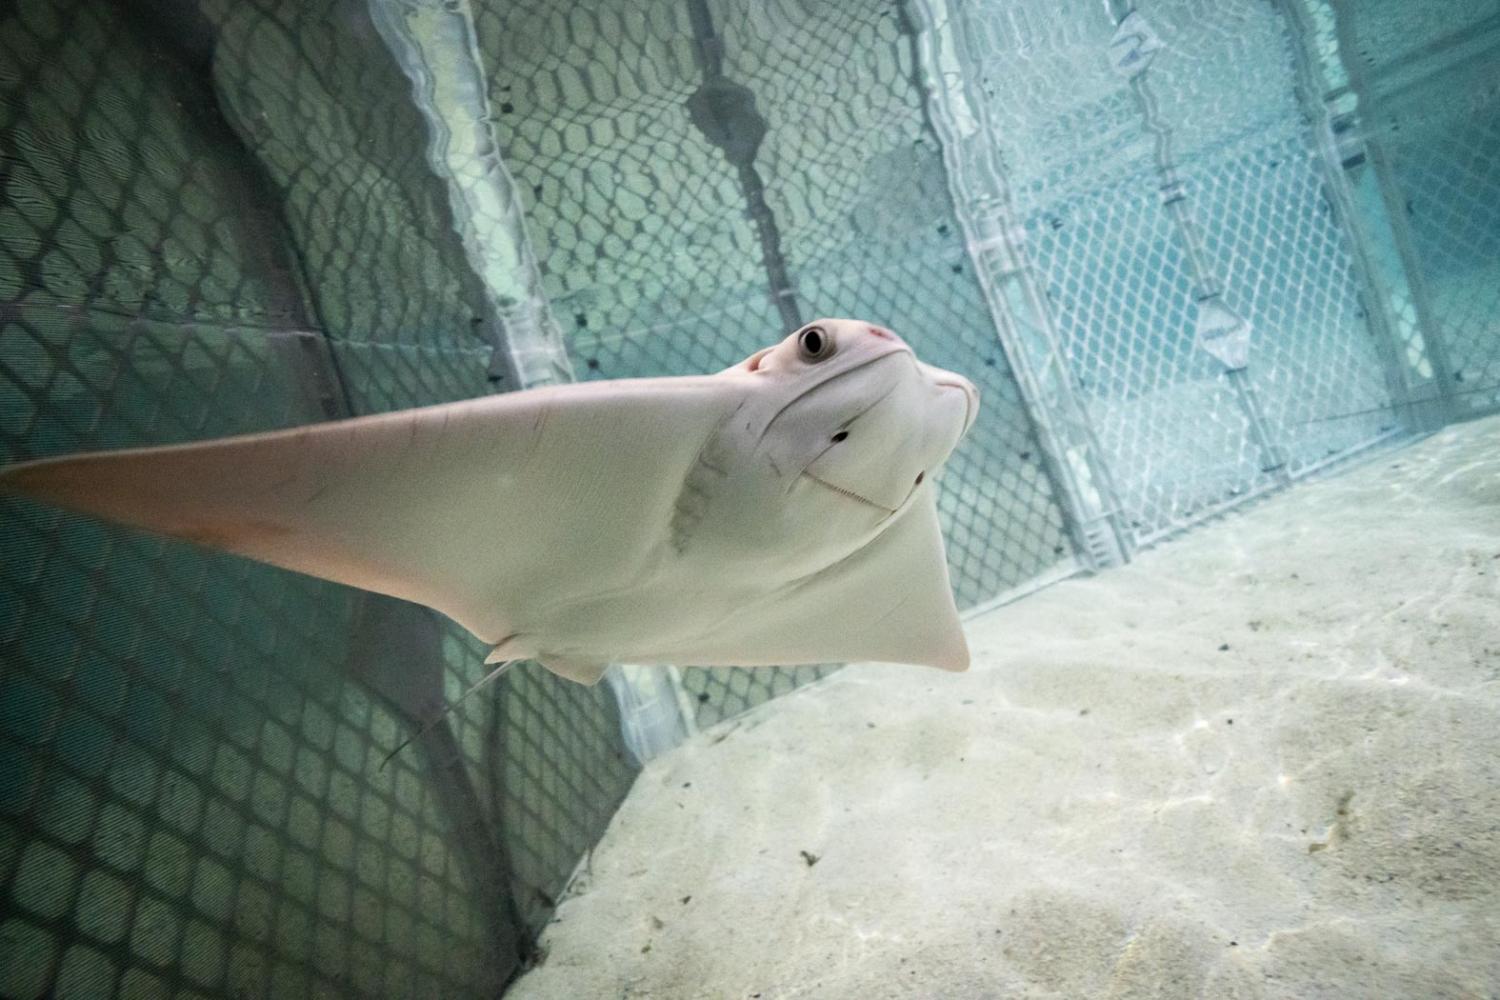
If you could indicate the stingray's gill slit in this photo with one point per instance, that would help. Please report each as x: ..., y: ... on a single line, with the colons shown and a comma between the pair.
x: 427, y: 726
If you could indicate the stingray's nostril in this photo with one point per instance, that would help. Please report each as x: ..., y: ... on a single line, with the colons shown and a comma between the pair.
x: 920, y: 477
x: 840, y: 436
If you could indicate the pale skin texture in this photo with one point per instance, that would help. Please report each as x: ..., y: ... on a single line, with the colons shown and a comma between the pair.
x: 781, y: 511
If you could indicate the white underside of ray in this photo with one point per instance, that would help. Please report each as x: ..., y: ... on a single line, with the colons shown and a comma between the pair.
x: 889, y: 600
x: 707, y: 520
x: 472, y: 508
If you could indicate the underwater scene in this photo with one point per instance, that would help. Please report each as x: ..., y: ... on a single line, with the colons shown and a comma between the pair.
x: 750, y: 499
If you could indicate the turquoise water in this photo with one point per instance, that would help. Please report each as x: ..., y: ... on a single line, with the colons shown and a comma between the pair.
x: 218, y: 218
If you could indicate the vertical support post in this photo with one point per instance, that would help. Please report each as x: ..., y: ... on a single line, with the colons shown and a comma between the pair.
x: 1221, y: 331
x: 724, y: 111
x: 435, y: 44
x: 1440, y: 409
x: 1354, y: 190
x: 1023, y: 317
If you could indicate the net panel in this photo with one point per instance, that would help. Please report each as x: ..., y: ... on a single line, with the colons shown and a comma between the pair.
x: 1081, y: 163
x: 1433, y: 87
x: 655, y: 266
x: 329, y: 119
x: 240, y: 231
x: 1393, y: 34
x: 234, y: 232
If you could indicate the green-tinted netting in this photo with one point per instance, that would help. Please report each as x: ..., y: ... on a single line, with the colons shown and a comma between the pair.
x: 1189, y: 250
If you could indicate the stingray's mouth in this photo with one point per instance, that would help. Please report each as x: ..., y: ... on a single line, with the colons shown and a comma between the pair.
x: 849, y: 493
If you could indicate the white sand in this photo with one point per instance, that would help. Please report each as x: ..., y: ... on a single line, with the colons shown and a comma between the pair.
x: 1109, y: 804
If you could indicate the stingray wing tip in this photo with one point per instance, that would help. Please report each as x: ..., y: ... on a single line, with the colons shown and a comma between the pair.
x: 955, y: 658
x: 45, y: 480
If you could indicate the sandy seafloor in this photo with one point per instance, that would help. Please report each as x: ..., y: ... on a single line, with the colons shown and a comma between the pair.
x: 1262, y: 760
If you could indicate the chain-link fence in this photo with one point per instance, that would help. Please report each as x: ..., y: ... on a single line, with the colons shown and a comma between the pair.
x: 1423, y: 86
x: 1156, y: 189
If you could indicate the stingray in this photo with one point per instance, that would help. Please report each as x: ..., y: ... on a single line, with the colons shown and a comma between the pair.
x: 782, y: 511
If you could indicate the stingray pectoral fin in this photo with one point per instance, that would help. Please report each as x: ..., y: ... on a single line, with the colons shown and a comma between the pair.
x: 584, y: 671
x: 512, y: 647
x: 375, y: 502
x: 361, y: 502
x: 892, y: 600
x: 459, y: 507
x: 889, y: 601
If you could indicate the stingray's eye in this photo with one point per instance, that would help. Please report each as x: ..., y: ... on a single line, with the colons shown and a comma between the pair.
x: 814, y: 344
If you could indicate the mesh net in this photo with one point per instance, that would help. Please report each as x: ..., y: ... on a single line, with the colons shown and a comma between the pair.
x: 192, y: 800
x: 654, y: 265
x: 1081, y: 160
x: 1165, y: 412
x: 328, y: 119
x: 219, y: 217
x: 1393, y: 33
x: 1434, y: 116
